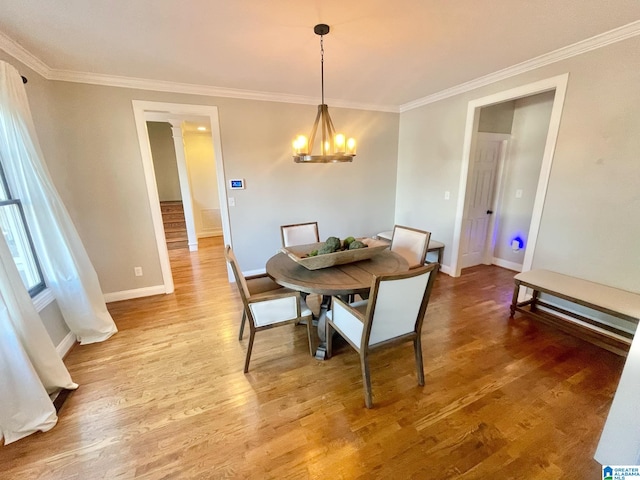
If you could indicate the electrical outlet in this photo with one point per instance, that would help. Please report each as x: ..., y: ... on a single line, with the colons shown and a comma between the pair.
x: 137, y: 271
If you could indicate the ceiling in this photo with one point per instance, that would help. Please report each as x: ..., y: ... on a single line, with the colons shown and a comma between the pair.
x: 379, y: 54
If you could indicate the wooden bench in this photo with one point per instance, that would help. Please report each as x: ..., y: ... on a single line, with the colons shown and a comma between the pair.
x: 602, y: 298
x: 434, y: 245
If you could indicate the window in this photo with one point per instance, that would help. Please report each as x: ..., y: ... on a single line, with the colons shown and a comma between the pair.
x: 15, y: 231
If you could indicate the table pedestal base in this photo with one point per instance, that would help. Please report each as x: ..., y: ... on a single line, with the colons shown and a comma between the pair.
x: 321, y: 351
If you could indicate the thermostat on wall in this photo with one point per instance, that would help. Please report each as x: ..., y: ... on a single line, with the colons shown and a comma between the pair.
x: 236, y: 184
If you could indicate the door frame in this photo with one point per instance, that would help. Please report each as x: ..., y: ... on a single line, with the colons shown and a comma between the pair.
x: 140, y: 110
x: 557, y: 84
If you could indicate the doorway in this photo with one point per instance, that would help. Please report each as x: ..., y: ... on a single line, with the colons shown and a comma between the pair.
x: 143, y: 111
x: 557, y: 85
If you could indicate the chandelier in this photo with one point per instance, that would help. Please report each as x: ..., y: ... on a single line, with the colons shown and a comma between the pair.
x: 334, y: 147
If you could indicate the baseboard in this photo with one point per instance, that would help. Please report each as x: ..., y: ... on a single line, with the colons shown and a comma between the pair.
x: 137, y: 293
x: 516, y: 267
x: 65, y: 345
x: 250, y: 273
x: 445, y: 269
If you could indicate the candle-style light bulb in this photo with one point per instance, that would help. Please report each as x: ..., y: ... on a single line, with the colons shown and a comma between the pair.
x: 301, y: 145
x: 339, y: 143
x: 351, y: 146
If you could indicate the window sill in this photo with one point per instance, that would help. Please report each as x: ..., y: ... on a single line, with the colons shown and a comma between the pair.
x: 43, y: 299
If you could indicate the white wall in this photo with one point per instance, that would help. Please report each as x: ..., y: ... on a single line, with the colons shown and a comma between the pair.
x: 90, y: 144
x: 54, y: 323
x: 163, y: 152
x: 198, y: 148
x: 521, y: 171
x: 497, y: 118
x: 346, y: 199
x: 591, y: 218
x: 590, y: 222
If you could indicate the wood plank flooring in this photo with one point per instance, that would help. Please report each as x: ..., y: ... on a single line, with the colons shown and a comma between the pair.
x: 166, y: 398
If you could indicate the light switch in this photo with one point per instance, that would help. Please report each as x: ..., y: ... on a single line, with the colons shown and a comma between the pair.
x: 232, y: 202
x: 447, y: 194
x: 519, y: 193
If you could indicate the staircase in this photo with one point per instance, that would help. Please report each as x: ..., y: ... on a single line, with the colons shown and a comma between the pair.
x: 175, y: 228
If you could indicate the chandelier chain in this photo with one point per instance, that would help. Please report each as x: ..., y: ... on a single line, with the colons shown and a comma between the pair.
x: 322, y: 65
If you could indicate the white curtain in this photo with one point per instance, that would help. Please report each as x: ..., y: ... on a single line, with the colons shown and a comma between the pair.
x: 30, y: 367
x: 64, y: 260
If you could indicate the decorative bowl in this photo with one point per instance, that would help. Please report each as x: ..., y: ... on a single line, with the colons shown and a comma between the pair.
x: 300, y: 254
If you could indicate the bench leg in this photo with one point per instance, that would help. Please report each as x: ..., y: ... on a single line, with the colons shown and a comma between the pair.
x: 534, y: 300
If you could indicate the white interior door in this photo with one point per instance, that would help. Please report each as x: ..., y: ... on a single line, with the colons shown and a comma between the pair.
x: 480, y: 196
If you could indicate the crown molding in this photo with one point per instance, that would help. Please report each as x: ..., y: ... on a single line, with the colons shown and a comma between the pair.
x: 24, y: 56
x: 209, y: 91
x: 21, y: 54
x: 593, y: 43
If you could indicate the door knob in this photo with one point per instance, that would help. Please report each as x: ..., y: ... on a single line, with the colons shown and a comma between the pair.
x: 489, y: 212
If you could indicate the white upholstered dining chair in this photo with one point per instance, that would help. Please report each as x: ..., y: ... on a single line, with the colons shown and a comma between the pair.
x: 257, y: 284
x: 393, y: 314
x: 299, y: 234
x: 411, y: 243
x: 267, y: 309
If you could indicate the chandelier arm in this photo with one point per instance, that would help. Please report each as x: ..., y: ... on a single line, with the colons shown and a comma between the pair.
x: 330, y: 131
x: 330, y: 128
x: 325, y: 112
x: 314, y: 129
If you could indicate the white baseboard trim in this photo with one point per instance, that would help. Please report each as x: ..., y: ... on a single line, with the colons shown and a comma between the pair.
x: 137, y: 293
x: 516, y: 267
x: 65, y: 345
x: 250, y: 273
x: 445, y: 269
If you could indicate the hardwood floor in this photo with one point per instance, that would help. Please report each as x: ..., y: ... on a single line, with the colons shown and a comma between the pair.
x: 166, y: 396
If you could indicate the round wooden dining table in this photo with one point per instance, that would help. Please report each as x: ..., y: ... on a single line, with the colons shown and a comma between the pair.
x: 339, y: 280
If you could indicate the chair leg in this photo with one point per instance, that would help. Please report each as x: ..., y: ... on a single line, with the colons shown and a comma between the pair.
x: 366, y: 379
x: 244, y: 319
x: 417, y: 346
x: 329, y: 340
x: 252, y: 335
